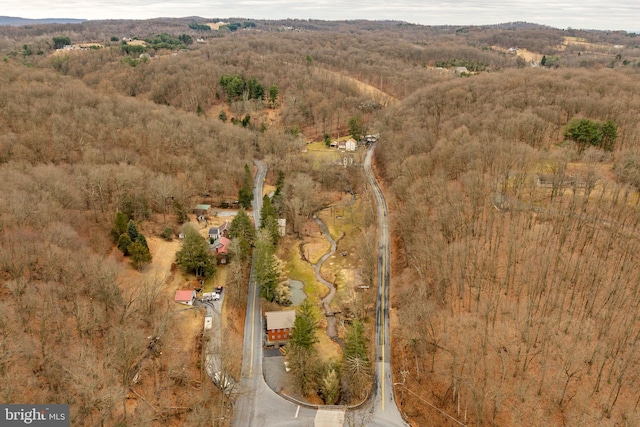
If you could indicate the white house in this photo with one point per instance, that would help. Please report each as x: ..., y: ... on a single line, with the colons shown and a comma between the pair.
x: 350, y: 145
x: 214, y: 233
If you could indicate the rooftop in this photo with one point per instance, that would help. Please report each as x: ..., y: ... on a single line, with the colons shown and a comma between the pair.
x: 280, y: 319
x: 184, y: 295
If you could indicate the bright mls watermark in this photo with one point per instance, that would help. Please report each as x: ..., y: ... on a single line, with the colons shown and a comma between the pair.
x: 34, y: 415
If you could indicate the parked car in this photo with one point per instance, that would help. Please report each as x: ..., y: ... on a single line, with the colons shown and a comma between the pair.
x: 210, y: 296
x: 219, y: 289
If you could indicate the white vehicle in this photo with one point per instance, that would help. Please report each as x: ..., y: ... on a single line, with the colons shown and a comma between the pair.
x: 210, y: 296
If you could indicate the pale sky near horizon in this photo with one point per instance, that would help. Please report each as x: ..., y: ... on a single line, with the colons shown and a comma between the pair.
x: 578, y: 14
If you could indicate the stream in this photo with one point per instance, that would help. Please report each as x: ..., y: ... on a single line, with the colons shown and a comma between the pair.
x: 332, y: 332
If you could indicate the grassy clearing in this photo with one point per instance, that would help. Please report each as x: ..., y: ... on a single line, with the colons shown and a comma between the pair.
x: 298, y: 269
x: 344, y: 224
x: 301, y: 270
x: 315, y: 247
x: 267, y: 189
x: 319, y: 154
x: 327, y: 349
x: 218, y: 279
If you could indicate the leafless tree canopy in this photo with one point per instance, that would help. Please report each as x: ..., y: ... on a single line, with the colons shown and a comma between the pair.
x: 515, y: 279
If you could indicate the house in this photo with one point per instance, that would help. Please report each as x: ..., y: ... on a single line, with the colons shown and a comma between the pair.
x: 279, y: 325
x: 220, y: 248
x: 224, y: 229
x: 185, y: 296
x: 214, y: 233
x: 342, y: 145
x: 351, y: 144
x: 461, y: 70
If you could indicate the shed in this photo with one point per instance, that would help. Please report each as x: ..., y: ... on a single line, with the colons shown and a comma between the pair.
x: 185, y: 296
x: 280, y: 324
x: 282, y: 227
x: 201, y: 209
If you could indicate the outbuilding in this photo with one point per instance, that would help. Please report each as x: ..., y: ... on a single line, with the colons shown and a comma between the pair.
x: 185, y: 296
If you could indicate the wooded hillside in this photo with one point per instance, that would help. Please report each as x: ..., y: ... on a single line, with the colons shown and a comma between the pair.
x: 516, y: 280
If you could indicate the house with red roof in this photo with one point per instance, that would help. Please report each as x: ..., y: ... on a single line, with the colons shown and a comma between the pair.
x: 185, y: 296
x: 220, y: 248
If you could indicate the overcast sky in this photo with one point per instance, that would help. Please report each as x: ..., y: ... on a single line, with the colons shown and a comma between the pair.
x: 579, y: 14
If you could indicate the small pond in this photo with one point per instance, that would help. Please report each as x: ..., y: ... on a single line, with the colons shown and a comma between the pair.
x: 297, y: 292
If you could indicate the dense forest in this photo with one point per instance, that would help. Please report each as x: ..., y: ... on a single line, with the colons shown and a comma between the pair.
x: 513, y: 189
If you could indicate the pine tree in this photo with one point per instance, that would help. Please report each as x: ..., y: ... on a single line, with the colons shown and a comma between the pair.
x: 124, y: 241
x: 132, y: 231
x: 305, y: 325
x: 267, y: 210
x: 267, y: 274
x: 119, y: 226
x: 194, y: 256
x: 243, y: 229
x: 139, y: 253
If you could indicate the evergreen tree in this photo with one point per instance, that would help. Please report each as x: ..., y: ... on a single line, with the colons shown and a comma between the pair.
x: 273, y: 95
x: 355, y: 341
x: 132, y: 231
x: 124, y: 241
x: 181, y: 214
x: 609, y: 132
x: 271, y: 227
x: 194, y: 256
x: 243, y: 229
x: 245, y: 197
x: 139, y: 253
x: 356, y: 368
x: 268, y: 220
x: 266, y: 211
x: 301, y: 353
x: 267, y: 274
x: 142, y: 240
x: 330, y: 385
x: 119, y: 226
x: 305, y: 326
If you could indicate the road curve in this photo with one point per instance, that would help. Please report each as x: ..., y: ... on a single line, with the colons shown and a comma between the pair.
x: 385, y: 411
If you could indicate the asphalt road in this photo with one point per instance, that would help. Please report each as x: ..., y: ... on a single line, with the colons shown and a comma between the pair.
x: 385, y: 411
x: 256, y: 404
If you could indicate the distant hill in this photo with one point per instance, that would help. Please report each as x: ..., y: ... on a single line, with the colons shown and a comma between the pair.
x: 14, y: 21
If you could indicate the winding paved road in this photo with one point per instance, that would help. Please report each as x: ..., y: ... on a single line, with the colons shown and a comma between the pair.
x: 385, y: 411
